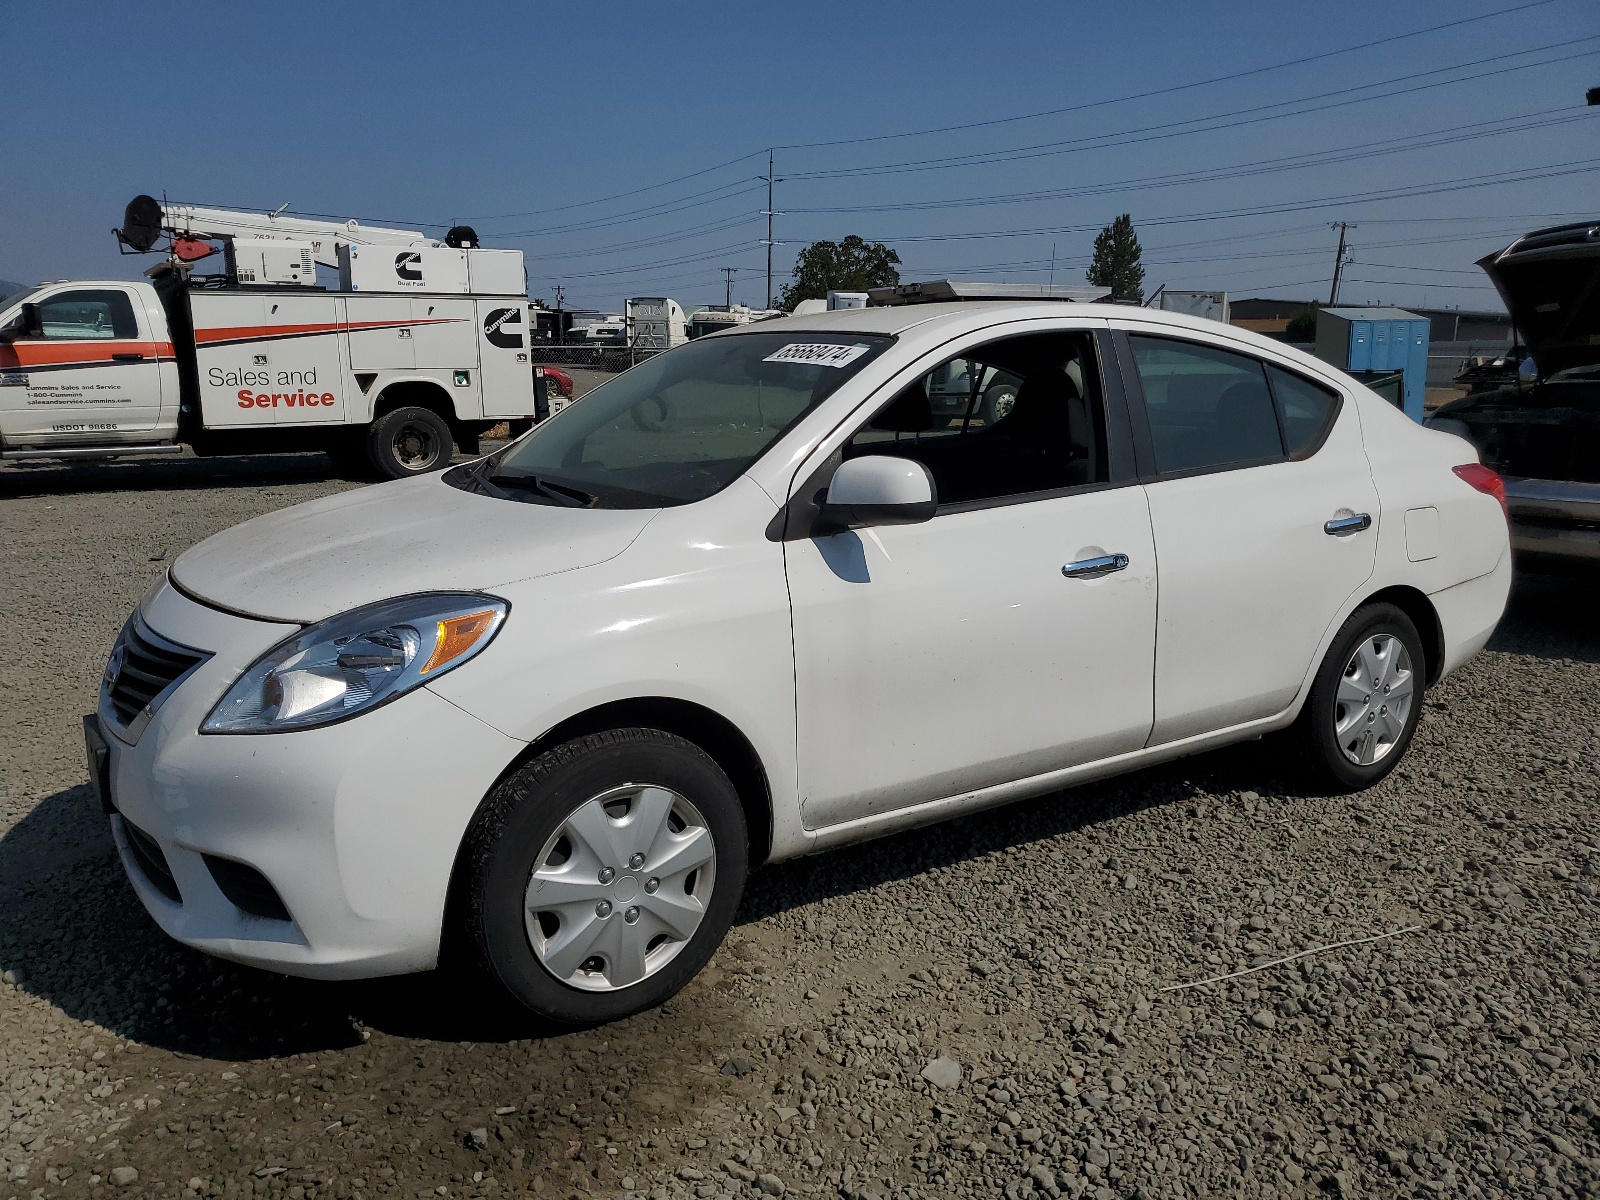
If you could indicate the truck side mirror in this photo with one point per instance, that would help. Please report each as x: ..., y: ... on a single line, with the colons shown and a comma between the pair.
x: 878, y: 489
x: 26, y: 324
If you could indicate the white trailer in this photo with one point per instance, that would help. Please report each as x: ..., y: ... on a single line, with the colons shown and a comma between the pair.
x: 423, y: 347
x: 655, y: 323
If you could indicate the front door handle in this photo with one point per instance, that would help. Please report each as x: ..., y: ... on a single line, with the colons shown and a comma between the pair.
x: 127, y: 358
x: 1093, y: 568
x: 1340, y: 526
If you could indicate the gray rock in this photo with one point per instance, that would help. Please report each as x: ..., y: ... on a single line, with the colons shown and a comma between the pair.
x: 1264, y: 1019
x: 123, y: 1176
x: 477, y: 1138
x: 943, y: 1072
x: 770, y: 1184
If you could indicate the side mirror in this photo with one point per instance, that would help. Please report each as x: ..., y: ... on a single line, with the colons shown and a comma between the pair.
x: 879, y: 490
x: 26, y: 324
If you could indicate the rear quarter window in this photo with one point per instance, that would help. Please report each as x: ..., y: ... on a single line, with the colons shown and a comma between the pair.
x: 1307, y: 410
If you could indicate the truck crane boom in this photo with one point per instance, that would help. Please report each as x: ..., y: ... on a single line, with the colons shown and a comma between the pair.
x: 147, y: 218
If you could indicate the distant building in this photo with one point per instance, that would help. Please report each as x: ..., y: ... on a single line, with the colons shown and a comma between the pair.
x: 1271, y: 316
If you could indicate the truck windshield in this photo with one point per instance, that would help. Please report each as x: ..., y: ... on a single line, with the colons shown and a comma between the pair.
x: 677, y: 427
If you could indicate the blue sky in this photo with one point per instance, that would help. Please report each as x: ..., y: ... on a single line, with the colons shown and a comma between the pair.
x: 556, y: 128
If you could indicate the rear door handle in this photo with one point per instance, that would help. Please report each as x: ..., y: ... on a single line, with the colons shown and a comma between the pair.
x: 1093, y: 568
x: 127, y: 358
x: 1340, y: 526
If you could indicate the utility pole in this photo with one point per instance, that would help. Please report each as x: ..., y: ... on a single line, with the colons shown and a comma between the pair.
x: 1338, y: 262
x: 728, y: 271
x: 769, y: 214
x: 559, y: 290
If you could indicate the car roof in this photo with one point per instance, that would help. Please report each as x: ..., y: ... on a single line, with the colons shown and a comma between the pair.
x: 959, y: 315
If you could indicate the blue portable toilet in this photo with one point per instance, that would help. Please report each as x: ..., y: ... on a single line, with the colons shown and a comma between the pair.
x: 1385, y: 348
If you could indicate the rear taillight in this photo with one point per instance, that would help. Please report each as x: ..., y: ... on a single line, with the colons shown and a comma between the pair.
x: 1486, y: 481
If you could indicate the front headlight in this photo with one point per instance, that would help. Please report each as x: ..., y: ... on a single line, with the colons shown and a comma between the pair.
x: 356, y: 661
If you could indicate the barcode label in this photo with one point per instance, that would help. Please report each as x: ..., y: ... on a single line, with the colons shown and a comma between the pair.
x: 817, y: 354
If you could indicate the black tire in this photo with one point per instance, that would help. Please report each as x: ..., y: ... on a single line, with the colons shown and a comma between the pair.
x: 410, y: 441
x: 997, y: 401
x: 531, y: 807
x: 1316, y: 739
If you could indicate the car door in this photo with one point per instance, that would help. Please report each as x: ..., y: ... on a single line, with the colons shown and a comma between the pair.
x: 1264, y: 513
x: 1009, y: 636
x: 92, y: 373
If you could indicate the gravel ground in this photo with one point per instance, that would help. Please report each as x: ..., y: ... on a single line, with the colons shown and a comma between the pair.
x: 976, y: 1009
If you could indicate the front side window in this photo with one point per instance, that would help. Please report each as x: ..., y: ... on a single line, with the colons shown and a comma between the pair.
x: 88, y: 315
x: 1015, y: 416
x: 677, y: 427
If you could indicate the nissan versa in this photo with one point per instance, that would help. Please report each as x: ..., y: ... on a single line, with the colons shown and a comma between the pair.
x: 757, y: 597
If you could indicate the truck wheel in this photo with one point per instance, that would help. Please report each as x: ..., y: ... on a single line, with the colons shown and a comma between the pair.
x: 409, y: 441
x: 997, y: 402
x: 600, y: 877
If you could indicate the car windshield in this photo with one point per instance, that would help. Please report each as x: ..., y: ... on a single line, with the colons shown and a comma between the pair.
x: 677, y: 427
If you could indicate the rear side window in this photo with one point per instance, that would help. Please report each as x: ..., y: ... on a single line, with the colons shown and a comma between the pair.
x: 88, y: 315
x: 1207, y: 408
x: 1306, y: 408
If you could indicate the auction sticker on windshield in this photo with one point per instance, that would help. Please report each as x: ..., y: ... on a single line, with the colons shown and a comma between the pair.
x: 817, y: 354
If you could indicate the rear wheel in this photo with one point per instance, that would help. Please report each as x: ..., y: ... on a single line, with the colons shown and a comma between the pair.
x: 1366, y: 700
x: 603, y: 874
x: 409, y: 441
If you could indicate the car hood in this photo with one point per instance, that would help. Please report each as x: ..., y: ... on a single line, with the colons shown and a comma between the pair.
x: 1550, y: 282
x: 314, y: 560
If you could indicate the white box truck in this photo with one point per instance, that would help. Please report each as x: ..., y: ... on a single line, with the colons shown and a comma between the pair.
x: 423, y: 347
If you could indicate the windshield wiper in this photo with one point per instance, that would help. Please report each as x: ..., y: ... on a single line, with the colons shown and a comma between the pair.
x: 568, y: 497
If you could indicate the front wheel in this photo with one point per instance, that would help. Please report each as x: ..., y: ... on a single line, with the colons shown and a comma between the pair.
x: 601, y: 876
x: 1366, y: 699
x: 410, y: 441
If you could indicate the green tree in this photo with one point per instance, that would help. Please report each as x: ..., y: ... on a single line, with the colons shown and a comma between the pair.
x: 1302, y: 326
x: 1116, y: 261
x: 853, y: 265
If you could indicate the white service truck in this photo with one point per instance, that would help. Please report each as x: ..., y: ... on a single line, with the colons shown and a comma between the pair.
x: 423, y: 346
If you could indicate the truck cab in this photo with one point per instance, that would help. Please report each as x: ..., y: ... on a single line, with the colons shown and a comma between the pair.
x: 90, y: 361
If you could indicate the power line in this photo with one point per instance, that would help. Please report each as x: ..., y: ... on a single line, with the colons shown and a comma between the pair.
x: 1439, y: 187
x: 1238, y: 170
x: 1169, y: 129
x: 1166, y: 91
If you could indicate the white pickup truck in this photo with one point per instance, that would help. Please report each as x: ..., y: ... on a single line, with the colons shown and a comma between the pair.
x: 422, y: 346
x: 106, y: 367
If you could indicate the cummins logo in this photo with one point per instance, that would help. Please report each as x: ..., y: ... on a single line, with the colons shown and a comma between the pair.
x: 495, y: 329
x: 408, y: 265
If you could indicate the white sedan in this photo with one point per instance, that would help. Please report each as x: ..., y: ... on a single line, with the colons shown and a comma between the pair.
x: 543, y: 712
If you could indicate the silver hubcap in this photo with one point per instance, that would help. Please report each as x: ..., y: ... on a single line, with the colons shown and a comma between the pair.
x: 1374, y: 700
x: 620, y: 887
x: 415, y: 447
x: 1003, y: 404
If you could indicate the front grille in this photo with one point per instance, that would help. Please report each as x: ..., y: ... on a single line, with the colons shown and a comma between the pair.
x: 247, y: 888
x: 152, y: 862
x: 143, y: 666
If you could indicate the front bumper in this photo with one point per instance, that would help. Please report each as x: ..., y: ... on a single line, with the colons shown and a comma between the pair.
x: 354, y: 825
x: 1555, y: 518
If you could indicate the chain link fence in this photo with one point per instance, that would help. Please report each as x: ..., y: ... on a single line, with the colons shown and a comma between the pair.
x: 592, y: 357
